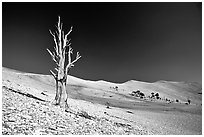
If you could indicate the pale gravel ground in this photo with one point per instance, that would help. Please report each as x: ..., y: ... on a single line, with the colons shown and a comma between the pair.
x: 22, y: 115
x: 25, y: 115
x: 170, y: 123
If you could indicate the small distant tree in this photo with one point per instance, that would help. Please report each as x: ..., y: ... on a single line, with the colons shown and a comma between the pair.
x: 142, y: 94
x: 138, y: 91
x: 62, y: 53
x: 157, y: 95
x: 152, y: 94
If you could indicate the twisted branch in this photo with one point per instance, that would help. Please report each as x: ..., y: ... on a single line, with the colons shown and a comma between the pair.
x: 61, y: 44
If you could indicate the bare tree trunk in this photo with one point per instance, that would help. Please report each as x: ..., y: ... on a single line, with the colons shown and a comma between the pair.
x: 60, y: 94
x: 57, y: 93
x: 59, y: 57
x: 65, y: 96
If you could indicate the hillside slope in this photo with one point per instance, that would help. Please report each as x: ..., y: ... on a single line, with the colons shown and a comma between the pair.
x: 167, y: 89
x: 103, y: 99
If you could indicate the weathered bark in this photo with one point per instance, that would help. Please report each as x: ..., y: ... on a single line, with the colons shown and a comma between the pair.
x: 57, y: 94
x: 61, y: 44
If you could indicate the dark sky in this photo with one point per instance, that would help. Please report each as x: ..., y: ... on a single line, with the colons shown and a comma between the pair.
x: 118, y: 41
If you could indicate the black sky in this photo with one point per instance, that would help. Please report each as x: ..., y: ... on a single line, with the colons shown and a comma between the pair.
x: 118, y: 41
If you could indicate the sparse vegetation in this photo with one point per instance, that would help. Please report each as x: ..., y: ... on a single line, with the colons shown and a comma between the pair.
x: 142, y: 94
x: 87, y: 113
x: 167, y: 99
x: 116, y: 88
x: 152, y: 95
x: 137, y: 93
x: 107, y: 105
x: 157, y: 95
x: 189, y: 101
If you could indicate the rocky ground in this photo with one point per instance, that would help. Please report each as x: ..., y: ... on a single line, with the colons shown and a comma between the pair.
x: 94, y: 109
x: 23, y: 115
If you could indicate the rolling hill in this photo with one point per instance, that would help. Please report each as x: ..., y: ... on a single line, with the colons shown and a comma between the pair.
x: 116, y: 100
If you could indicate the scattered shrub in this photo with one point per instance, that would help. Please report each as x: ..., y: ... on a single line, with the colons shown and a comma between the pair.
x: 137, y: 94
x: 134, y: 92
x: 152, y: 95
x: 189, y: 101
x: 116, y: 88
x: 107, y: 105
x: 141, y: 94
x: 177, y: 100
x: 167, y: 99
x: 157, y: 95
x: 138, y: 91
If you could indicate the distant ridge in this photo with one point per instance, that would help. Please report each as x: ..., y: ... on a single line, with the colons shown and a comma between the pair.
x: 166, y: 89
x: 12, y: 70
x: 196, y: 84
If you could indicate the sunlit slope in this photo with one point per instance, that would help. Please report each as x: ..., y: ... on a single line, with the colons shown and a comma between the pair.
x: 166, y: 89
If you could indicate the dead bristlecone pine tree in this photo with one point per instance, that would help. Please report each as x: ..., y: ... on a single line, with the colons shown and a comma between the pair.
x: 62, y: 56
